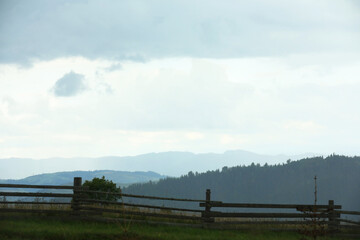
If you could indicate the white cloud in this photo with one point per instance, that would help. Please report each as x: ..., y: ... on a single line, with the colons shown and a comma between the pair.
x: 307, y: 127
x: 194, y: 135
x: 232, y: 141
x: 268, y: 105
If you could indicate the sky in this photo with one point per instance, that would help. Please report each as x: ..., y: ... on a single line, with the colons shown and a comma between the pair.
x: 100, y: 78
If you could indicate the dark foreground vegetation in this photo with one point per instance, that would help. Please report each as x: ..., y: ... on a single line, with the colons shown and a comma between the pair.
x: 45, y: 229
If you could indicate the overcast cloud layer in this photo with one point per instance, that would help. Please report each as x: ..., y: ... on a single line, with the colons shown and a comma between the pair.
x: 140, y: 30
x: 96, y: 78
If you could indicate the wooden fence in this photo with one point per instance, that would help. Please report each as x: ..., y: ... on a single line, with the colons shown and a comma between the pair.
x: 79, y: 203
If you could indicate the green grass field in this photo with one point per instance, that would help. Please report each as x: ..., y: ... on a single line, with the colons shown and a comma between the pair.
x: 41, y: 229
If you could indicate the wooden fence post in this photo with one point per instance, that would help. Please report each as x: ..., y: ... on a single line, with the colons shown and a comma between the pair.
x: 333, y: 217
x: 206, y: 215
x: 75, y: 201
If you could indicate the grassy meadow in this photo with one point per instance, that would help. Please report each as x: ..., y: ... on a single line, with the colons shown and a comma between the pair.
x: 41, y: 229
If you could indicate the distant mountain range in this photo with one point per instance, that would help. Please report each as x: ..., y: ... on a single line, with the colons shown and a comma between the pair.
x: 122, y: 178
x: 338, y: 178
x: 166, y: 163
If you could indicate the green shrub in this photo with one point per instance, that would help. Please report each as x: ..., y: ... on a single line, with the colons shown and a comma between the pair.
x: 103, y: 185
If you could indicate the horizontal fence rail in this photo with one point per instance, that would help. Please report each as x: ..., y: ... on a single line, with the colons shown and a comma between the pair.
x: 266, y: 215
x: 268, y: 222
x: 349, y: 221
x: 37, y: 194
x: 143, y: 196
x: 348, y: 212
x: 35, y: 186
x: 17, y: 210
x: 82, y: 205
x: 32, y: 203
x: 139, y: 205
x: 299, y: 207
x: 149, y: 214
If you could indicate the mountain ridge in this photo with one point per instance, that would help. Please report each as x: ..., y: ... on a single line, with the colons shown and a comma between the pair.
x: 171, y: 163
x: 66, y: 177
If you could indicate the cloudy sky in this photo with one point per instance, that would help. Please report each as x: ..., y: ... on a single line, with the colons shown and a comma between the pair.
x: 98, y: 78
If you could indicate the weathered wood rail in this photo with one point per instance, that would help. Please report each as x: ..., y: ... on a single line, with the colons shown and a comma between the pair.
x: 22, y: 206
x: 82, y: 205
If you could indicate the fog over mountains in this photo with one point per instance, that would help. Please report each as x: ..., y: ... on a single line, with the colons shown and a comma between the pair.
x: 165, y: 163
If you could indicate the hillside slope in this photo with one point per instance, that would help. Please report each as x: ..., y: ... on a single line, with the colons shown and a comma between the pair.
x: 66, y: 178
x: 293, y: 182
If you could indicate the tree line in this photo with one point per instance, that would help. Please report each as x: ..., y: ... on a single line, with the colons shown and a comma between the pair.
x: 338, y: 178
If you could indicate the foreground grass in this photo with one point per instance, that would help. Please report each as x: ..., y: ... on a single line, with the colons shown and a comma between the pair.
x: 40, y: 229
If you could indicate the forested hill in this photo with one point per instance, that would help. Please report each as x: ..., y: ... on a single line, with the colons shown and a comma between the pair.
x: 66, y: 178
x: 338, y: 178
